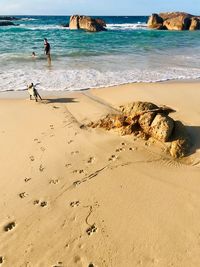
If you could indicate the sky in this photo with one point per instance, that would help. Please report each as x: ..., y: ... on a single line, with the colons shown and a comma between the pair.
x: 99, y: 7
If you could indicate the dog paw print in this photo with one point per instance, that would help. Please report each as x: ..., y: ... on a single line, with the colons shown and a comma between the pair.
x: 78, y: 171
x: 119, y: 149
x: 23, y: 195
x: 91, y: 160
x: 76, y: 183
x: 74, y: 204
x: 31, y: 158
x: 40, y: 203
x: 92, y: 229
x: 68, y: 165
x: 112, y: 158
x: 54, y: 181
x: 43, y: 204
x: 41, y: 168
x: 27, y: 179
x: 10, y: 226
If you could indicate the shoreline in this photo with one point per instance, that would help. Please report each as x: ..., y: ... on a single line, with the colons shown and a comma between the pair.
x: 11, y: 94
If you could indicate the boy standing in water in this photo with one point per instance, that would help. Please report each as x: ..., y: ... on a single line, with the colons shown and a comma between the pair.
x: 47, y: 49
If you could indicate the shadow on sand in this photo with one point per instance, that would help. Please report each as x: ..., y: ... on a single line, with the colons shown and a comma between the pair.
x: 194, y: 133
x: 59, y: 100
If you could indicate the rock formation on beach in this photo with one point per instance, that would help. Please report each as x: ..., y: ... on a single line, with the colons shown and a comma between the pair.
x: 146, y: 120
x: 87, y: 23
x: 174, y: 21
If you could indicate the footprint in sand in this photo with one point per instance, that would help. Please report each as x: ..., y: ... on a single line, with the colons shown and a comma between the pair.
x: 51, y: 126
x: 42, y: 203
x: 59, y: 264
x: 119, y: 149
x: 36, y: 202
x: 23, y: 195
x: 91, y: 265
x: 92, y: 229
x: 76, y: 183
x: 70, y: 141
x: 27, y: 179
x: 113, y: 158
x: 41, y: 168
x: 32, y: 158
x: 1, y: 259
x: 74, y: 204
x: 132, y: 148
x: 42, y: 149
x: 54, y: 181
x: 74, y: 153
x: 37, y: 140
x: 91, y: 160
x: 68, y: 165
x: 10, y: 226
x: 55, y: 107
x: 78, y: 171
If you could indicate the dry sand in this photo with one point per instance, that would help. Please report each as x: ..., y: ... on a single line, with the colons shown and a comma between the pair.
x: 73, y: 196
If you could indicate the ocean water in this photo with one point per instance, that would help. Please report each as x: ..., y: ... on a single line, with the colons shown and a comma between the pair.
x: 127, y: 52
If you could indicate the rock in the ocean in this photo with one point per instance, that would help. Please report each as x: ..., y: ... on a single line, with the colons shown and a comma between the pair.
x: 86, y: 23
x: 155, y: 21
x: 174, y: 21
x: 8, y: 18
x: 178, y: 23
x: 7, y: 23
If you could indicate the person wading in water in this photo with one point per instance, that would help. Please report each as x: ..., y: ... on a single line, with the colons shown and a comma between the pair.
x: 47, y: 49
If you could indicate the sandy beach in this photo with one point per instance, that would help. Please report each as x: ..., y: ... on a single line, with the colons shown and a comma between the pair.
x: 76, y: 196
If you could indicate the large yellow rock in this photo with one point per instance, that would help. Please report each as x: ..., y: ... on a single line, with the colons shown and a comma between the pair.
x: 86, y: 23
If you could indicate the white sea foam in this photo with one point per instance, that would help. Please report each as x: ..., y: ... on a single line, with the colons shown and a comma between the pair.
x: 43, y: 27
x: 88, y: 78
x: 28, y: 19
x: 127, y: 26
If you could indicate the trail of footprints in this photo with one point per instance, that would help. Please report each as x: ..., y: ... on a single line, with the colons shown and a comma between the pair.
x: 11, y: 225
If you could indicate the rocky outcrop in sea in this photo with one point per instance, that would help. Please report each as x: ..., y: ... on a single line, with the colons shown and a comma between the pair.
x: 7, y: 23
x: 87, y: 23
x: 174, y: 21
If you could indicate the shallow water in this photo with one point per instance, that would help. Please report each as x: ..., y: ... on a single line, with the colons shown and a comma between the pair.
x: 127, y: 52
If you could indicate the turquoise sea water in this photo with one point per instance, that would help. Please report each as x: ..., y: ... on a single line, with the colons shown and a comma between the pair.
x: 127, y: 52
